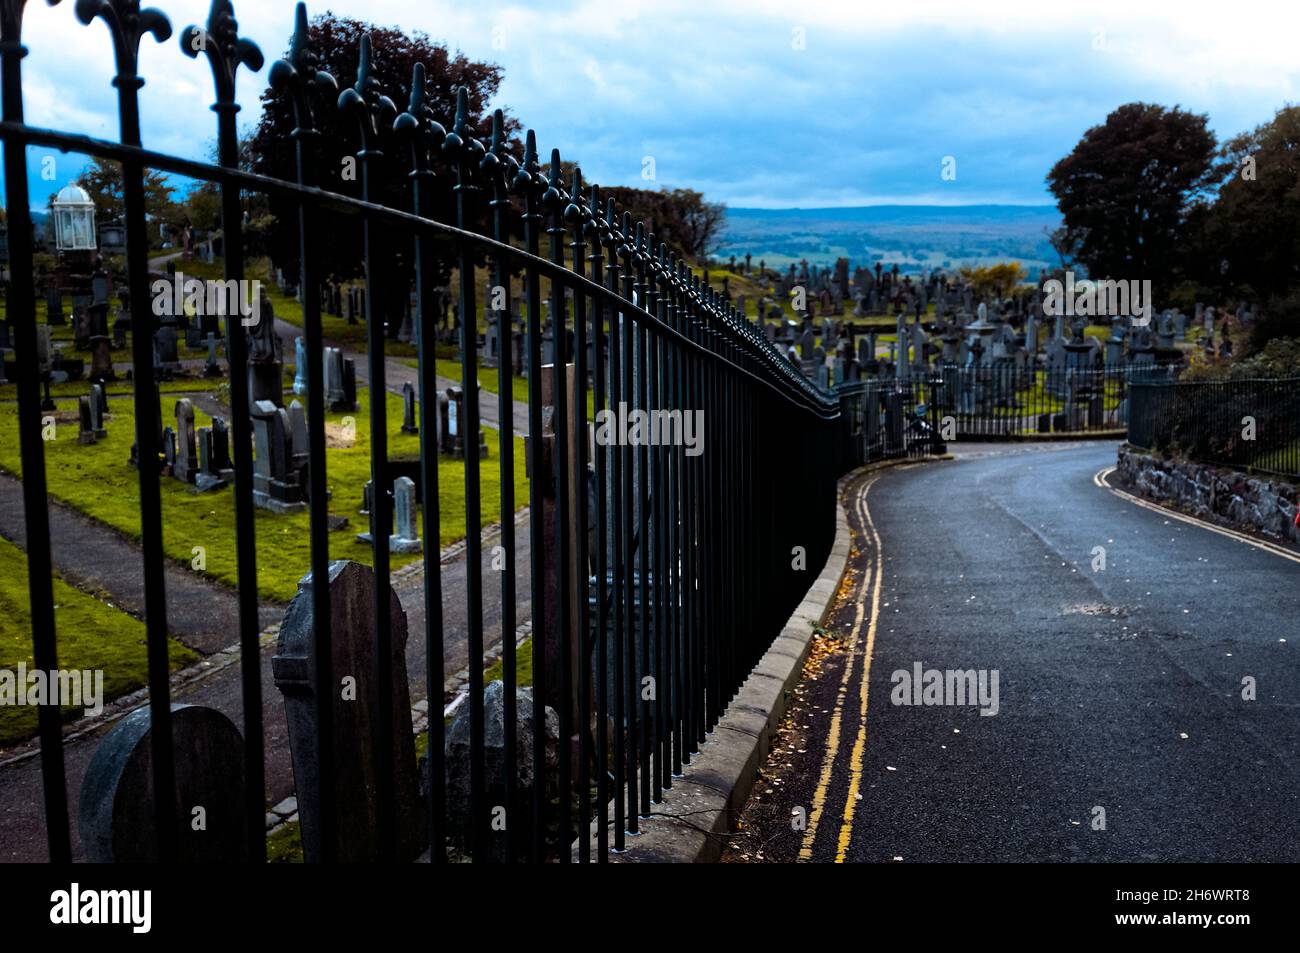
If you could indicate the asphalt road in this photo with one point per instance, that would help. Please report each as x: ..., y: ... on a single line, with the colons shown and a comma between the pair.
x: 1120, y: 690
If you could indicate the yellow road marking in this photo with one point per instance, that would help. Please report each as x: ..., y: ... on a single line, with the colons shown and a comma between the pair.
x: 833, y: 734
x: 860, y: 743
x: 1099, y: 478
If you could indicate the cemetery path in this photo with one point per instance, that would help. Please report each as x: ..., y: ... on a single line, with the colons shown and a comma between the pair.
x: 1120, y: 690
x: 22, y: 828
x: 96, y: 559
x: 397, y: 373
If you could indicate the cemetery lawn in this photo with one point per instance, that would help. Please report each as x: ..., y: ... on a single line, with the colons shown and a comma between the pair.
x: 490, y: 382
x: 122, y: 387
x: 91, y: 635
x: 97, y: 481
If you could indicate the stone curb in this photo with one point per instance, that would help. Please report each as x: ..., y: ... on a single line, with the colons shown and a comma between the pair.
x: 691, y: 822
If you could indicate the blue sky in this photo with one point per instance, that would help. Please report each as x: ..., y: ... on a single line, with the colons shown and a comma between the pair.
x: 755, y: 103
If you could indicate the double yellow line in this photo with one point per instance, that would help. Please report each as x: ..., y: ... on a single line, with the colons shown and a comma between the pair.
x: 871, y: 579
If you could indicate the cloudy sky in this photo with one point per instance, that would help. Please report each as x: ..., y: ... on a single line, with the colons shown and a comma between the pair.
x: 754, y: 102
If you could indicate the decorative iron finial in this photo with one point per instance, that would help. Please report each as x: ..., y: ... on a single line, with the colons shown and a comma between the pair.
x: 498, y: 164
x: 11, y: 20
x: 577, y: 213
x: 528, y: 179
x: 460, y: 146
x: 554, y: 197
x: 417, y: 125
x: 298, y: 75
x: 226, y: 50
x: 127, y: 24
x: 371, y: 108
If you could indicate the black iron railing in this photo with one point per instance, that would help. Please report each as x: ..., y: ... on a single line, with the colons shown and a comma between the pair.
x: 1251, y: 425
x: 654, y: 563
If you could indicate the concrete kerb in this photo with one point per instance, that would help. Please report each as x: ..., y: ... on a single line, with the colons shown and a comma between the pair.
x: 692, y: 822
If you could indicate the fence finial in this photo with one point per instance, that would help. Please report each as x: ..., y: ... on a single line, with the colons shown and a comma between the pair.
x: 226, y: 50
x: 127, y: 24
x: 298, y: 75
x: 373, y: 111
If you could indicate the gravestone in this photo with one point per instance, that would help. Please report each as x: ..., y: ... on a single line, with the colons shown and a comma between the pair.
x: 169, y: 451
x: 458, y: 755
x: 54, y: 306
x: 451, y: 413
x: 207, y: 478
x: 408, y: 409
x: 265, y: 357
x: 212, y: 368
x: 86, y: 426
x: 274, y: 487
x: 101, y: 359
x: 405, y: 537
x: 299, y: 454
x: 221, y: 462
x: 356, y: 760
x: 116, y: 808
x: 333, y: 376
x: 98, y: 409
x: 187, y: 463
x: 166, y: 355
x: 300, y: 365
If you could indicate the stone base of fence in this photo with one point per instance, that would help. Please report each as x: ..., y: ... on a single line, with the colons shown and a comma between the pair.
x: 1226, y: 497
x: 692, y: 822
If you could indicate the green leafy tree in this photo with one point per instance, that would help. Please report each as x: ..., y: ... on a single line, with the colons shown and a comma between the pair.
x: 102, y: 180
x: 1250, y: 227
x: 995, y: 280
x: 270, y: 151
x: 1125, y: 191
x: 680, y: 217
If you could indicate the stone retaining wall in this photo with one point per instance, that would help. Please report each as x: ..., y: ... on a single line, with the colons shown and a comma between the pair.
x: 1228, y: 497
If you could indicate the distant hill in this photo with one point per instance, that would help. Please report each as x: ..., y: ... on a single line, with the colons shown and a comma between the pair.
x: 914, y: 236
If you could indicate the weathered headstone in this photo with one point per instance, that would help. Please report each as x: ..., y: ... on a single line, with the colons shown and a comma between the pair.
x: 273, y: 487
x: 116, y: 809
x: 300, y: 365
x: 458, y: 754
x: 408, y: 409
x: 405, y: 538
x: 356, y: 760
x: 85, y: 424
x: 187, y: 464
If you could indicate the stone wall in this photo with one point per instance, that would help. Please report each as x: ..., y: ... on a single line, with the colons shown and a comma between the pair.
x: 1227, y: 497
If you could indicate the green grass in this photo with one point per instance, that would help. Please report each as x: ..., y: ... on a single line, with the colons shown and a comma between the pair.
x: 494, y: 672
x: 491, y: 381
x: 523, y: 666
x: 123, y: 388
x: 97, y: 481
x: 91, y: 635
x: 285, y: 845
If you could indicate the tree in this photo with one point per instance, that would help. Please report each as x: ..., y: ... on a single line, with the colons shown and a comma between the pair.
x: 680, y: 217
x: 336, y: 41
x: 997, y: 280
x: 1250, y: 229
x: 1124, y: 191
x: 102, y: 180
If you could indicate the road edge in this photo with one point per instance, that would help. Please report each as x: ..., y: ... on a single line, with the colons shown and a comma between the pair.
x: 691, y: 823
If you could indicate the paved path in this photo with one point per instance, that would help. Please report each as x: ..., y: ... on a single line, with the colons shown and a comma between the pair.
x: 397, y: 372
x: 96, y: 559
x: 1119, y: 689
x: 22, y: 836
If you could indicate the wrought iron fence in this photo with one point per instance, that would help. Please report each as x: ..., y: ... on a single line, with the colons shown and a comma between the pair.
x: 654, y: 564
x: 1250, y: 424
x: 887, y: 419
x: 1006, y: 400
